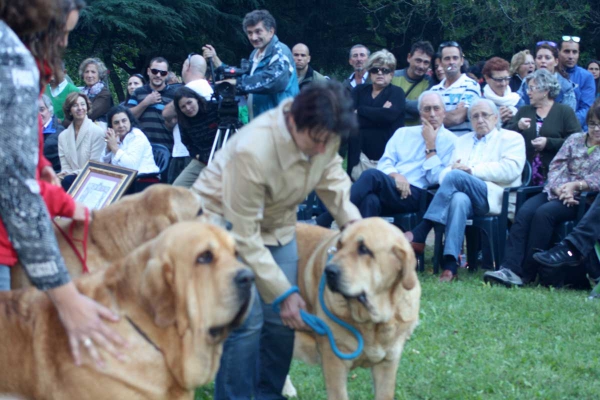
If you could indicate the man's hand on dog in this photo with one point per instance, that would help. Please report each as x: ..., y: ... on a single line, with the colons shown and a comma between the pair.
x: 290, y: 312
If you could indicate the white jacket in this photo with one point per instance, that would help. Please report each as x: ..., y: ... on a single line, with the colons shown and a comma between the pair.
x: 499, y: 162
x: 75, y: 153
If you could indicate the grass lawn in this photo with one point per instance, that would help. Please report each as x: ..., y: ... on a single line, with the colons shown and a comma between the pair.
x: 482, y: 342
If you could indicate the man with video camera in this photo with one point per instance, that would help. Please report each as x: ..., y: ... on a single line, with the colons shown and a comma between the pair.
x: 272, y: 75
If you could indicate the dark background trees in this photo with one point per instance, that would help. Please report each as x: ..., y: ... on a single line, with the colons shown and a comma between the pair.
x: 126, y: 34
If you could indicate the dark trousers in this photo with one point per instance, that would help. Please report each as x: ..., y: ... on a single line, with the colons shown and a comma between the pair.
x: 375, y: 194
x: 587, y: 231
x: 532, y: 231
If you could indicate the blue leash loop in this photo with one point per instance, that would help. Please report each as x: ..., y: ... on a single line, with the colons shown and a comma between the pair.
x: 319, y: 326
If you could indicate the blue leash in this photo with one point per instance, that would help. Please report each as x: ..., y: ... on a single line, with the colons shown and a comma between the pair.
x: 319, y: 326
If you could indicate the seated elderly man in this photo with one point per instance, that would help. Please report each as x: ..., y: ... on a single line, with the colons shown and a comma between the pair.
x: 413, y: 159
x: 52, y: 128
x: 485, y: 162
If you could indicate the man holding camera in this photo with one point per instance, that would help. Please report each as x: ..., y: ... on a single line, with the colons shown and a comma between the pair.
x: 272, y: 77
x: 258, y: 188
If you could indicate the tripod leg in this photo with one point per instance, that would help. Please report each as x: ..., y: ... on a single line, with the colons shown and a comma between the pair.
x: 215, y: 146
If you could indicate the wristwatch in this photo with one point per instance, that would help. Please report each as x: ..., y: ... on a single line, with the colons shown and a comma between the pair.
x: 427, y: 151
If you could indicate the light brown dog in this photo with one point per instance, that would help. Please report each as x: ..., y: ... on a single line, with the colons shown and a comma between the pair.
x: 371, y: 284
x: 178, y: 296
x: 120, y: 228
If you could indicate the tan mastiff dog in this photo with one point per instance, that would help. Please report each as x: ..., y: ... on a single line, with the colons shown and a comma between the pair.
x: 371, y: 284
x: 178, y: 296
x: 120, y: 228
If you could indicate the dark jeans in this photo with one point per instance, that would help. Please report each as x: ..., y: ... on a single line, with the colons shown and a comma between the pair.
x: 67, y: 181
x: 257, y: 356
x: 375, y: 194
x: 587, y: 231
x: 532, y: 231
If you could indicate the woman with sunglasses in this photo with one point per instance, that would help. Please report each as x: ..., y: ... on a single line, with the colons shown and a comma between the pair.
x: 545, y: 123
x: 93, y: 72
x: 497, y: 76
x: 546, y: 57
x: 380, y: 109
x: 135, y: 81
x: 521, y: 65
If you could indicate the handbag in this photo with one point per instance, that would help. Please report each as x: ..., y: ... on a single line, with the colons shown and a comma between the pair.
x: 363, y: 164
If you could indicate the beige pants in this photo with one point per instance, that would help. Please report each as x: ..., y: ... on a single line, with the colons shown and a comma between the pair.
x: 188, y: 176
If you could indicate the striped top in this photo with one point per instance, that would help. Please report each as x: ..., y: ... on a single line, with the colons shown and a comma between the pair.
x: 464, y: 90
x: 151, y: 121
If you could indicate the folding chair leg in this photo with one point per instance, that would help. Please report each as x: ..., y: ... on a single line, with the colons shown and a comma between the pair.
x: 438, y: 249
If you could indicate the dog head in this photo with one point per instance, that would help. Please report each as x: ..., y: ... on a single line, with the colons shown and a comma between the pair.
x: 373, y: 263
x: 193, y: 284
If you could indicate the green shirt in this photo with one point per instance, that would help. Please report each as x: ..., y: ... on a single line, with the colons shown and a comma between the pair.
x: 400, y: 79
x: 58, y: 101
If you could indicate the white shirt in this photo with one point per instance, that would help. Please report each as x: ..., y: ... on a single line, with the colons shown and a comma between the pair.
x: 353, y: 81
x: 57, y: 90
x: 202, y: 87
x: 135, y: 152
x: 405, y: 154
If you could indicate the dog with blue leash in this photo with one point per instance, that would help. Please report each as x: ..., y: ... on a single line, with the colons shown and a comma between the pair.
x: 369, y: 271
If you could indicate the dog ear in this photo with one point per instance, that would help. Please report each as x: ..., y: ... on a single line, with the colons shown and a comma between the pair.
x: 408, y: 264
x: 157, y: 290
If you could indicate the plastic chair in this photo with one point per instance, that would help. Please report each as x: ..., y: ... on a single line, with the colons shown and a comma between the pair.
x: 162, y: 156
x: 408, y: 221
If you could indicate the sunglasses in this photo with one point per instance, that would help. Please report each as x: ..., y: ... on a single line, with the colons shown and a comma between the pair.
x: 159, y: 72
x: 549, y: 43
x: 449, y: 44
x: 575, y: 39
x: 500, y: 80
x: 377, y: 70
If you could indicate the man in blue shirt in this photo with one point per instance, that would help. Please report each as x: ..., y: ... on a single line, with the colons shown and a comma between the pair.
x: 585, y: 92
x: 412, y: 161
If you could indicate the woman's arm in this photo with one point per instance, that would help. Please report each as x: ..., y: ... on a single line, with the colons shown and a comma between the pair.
x: 101, y: 104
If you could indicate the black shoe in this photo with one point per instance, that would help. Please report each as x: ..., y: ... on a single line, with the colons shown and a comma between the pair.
x: 559, y: 256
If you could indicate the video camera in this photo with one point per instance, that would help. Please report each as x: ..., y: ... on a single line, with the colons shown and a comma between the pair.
x: 228, y: 108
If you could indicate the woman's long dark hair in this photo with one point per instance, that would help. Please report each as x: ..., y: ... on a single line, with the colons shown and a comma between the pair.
x: 182, y: 119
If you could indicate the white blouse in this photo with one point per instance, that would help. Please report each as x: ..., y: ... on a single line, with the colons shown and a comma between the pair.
x: 135, y: 152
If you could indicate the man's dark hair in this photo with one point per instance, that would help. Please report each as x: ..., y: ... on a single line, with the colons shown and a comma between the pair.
x: 325, y: 106
x: 253, y: 18
x: 423, y: 46
x: 121, y: 109
x: 159, y: 60
x: 561, y: 41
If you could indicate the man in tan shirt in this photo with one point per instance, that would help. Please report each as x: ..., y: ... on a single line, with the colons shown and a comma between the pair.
x: 256, y: 182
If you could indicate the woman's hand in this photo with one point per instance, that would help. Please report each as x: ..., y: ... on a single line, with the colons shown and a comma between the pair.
x: 79, y: 214
x: 539, y: 143
x: 112, y: 140
x: 566, y: 193
x: 82, y: 319
x: 524, y: 123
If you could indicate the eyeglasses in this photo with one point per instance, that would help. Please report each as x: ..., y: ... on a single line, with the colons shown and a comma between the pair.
x: 159, y: 72
x: 377, y: 70
x: 533, y: 88
x: 475, y: 117
x: 449, y: 44
x: 500, y: 80
x: 575, y: 39
x: 189, y: 59
x: 529, y: 63
x: 546, y: 42
x: 594, y: 126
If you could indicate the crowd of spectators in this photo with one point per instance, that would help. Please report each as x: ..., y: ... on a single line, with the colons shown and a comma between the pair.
x: 434, y: 122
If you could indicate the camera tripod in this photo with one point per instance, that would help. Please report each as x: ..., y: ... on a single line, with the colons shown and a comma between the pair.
x: 224, y: 131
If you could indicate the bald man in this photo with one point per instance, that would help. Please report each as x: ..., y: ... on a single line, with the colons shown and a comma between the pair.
x: 184, y: 170
x: 305, y: 72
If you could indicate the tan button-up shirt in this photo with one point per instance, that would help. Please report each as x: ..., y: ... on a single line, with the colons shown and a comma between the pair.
x: 257, y: 181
